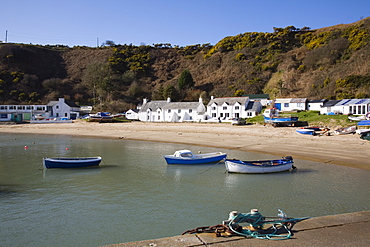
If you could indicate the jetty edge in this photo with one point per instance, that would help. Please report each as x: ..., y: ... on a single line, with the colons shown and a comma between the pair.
x: 350, y: 229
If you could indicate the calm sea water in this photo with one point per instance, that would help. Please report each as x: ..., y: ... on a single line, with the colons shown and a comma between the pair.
x: 135, y: 195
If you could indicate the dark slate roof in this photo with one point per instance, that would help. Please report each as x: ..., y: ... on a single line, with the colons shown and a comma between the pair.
x: 318, y: 101
x: 331, y: 103
x: 229, y: 100
x: 252, y: 105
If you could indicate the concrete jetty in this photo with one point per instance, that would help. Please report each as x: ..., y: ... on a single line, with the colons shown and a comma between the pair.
x: 335, y: 230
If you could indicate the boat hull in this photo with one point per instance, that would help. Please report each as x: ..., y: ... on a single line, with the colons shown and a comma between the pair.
x: 194, y: 160
x: 71, y: 162
x: 267, y: 166
x: 306, y: 132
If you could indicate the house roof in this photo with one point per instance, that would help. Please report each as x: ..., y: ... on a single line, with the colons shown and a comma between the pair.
x: 153, y: 105
x: 317, y: 101
x: 330, y: 103
x: 229, y: 100
x: 182, y: 105
x: 298, y: 100
x: 253, y: 106
x: 286, y: 100
x: 67, y: 102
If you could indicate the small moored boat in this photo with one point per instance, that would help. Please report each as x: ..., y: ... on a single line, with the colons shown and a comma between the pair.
x: 186, y: 157
x: 259, y: 166
x: 71, y: 162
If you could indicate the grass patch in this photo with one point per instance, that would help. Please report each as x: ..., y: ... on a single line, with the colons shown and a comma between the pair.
x: 313, y: 118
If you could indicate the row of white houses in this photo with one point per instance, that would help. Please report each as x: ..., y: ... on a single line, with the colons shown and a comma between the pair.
x: 60, y: 109
x: 218, y: 109
x: 326, y: 107
x: 224, y: 109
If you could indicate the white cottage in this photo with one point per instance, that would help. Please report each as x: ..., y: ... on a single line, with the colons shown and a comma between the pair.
x: 184, y: 111
x: 315, y: 105
x: 233, y: 107
x: 167, y: 111
x: 291, y: 104
x: 346, y: 106
x: 152, y: 111
x: 63, y: 109
x: 132, y: 114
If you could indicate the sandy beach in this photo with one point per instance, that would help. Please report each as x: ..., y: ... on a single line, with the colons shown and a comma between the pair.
x: 345, y: 150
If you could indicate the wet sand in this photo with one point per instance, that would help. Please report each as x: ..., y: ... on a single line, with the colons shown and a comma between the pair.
x: 346, y: 150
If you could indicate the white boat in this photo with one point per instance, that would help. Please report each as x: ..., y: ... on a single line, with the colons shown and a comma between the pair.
x: 346, y: 130
x: 186, y: 157
x: 353, y: 118
x: 259, y: 166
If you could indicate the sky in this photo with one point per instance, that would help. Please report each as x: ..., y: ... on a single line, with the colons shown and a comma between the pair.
x: 177, y: 22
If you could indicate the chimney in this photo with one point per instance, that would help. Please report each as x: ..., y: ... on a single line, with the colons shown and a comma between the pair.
x: 145, y: 101
x: 212, y: 97
x: 168, y: 99
x: 200, y: 100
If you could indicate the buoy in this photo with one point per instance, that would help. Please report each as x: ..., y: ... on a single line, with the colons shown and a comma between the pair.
x: 67, y: 148
x: 25, y: 147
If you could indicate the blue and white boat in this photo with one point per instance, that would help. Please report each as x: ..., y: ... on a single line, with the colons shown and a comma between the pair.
x: 272, y: 116
x: 259, y: 166
x: 186, y: 157
x: 308, y: 130
x: 71, y: 162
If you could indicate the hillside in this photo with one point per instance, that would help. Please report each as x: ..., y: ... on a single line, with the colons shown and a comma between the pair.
x: 331, y: 62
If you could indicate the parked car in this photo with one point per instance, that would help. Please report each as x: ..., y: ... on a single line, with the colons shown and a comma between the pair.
x: 237, y: 121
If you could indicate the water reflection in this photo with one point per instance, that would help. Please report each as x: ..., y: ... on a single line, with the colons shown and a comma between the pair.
x: 134, y: 189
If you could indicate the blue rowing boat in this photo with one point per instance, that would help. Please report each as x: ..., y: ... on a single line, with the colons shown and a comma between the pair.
x: 71, y: 162
x: 186, y: 157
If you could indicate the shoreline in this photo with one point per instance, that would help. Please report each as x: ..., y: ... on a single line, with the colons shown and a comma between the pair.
x: 345, y: 150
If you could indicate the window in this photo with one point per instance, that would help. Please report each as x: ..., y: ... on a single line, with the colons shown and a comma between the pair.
x: 286, y: 104
x: 221, y: 114
x: 57, y: 107
x: 159, y: 117
x: 224, y: 108
x: 169, y: 111
x: 66, y: 114
x: 226, y: 114
x: 3, y: 115
x: 190, y: 110
x: 213, y: 108
x: 237, y: 115
x: 237, y: 107
x: 179, y: 110
x: 213, y: 114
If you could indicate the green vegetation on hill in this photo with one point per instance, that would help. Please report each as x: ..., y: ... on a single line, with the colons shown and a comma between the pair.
x: 331, y: 63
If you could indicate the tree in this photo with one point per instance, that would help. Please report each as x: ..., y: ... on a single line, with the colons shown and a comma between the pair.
x: 186, y: 80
